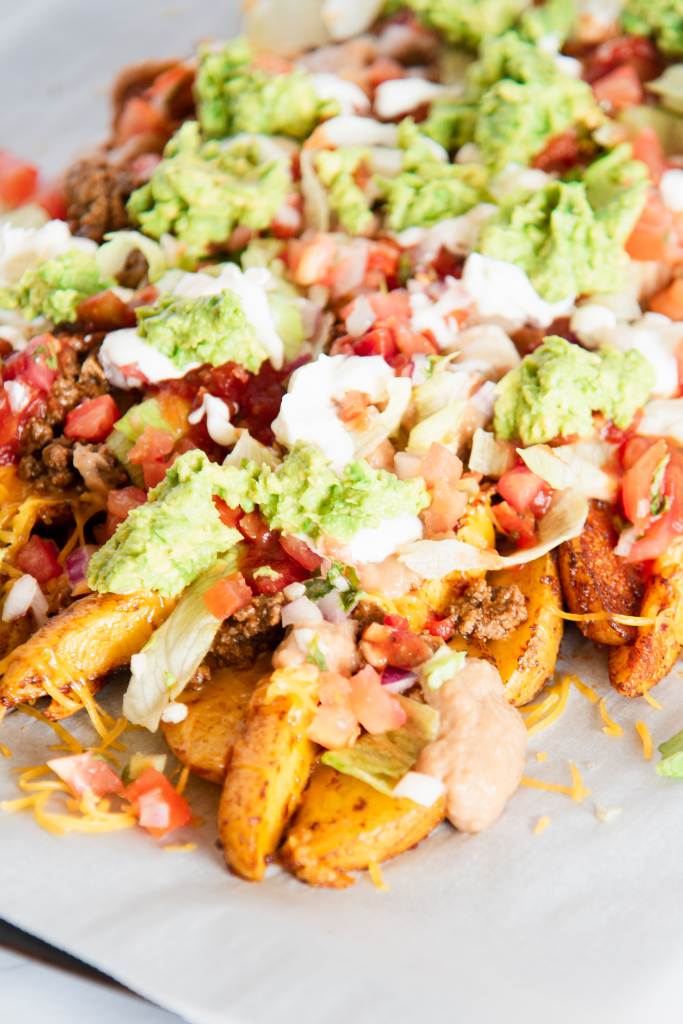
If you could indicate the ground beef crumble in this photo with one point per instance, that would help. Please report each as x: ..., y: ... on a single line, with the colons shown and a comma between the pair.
x: 483, y: 612
x: 251, y: 630
x: 96, y: 192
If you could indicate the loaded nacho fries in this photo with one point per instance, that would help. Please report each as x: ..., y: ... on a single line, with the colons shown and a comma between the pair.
x: 344, y: 374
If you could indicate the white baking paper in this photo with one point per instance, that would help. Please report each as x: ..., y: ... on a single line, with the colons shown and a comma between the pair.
x: 580, y: 925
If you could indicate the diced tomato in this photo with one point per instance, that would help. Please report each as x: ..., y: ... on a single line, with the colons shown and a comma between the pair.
x: 519, y: 487
x: 37, y: 365
x: 146, y: 296
x: 636, y: 485
x: 227, y: 596
x: 559, y: 153
x: 153, y: 444
x: 396, y: 622
x: 301, y: 553
x: 657, y: 537
x: 86, y: 773
x: 637, y: 51
x: 445, y: 628
x: 159, y: 807
x: 383, y: 69
x: 38, y: 557
x: 440, y: 465
x: 376, y: 709
x: 633, y: 448
x: 228, y: 516
x: 253, y: 526
x: 397, y: 646
x: 18, y: 179
x: 391, y: 304
x: 447, y: 264
x: 382, y: 264
x: 669, y: 301
x: 52, y: 199
x: 647, y: 147
x: 314, y: 260
x: 652, y: 237
x: 352, y: 406
x: 92, y: 420
x: 154, y: 471
x: 334, y: 726
x: 140, y: 117
x: 120, y: 502
x: 268, y: 551
x: 521, y: 526
x: 379, y: 341
x: 619, y: 88
x: 105, y: 312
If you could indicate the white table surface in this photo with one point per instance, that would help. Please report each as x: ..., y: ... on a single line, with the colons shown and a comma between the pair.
x: 35, y: 992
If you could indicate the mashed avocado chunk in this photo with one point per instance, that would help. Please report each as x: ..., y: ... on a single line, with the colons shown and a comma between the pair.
x: 202, y: 191
x: 468, y: 21
x: 569, y: 236
x: 166, y: 543
x: 662, y: 19
x: 304, y: 495
x: 209, y: 329
x: 234, y: 96
x: 337, y: 170
x: 515, y: 100
x: 549, y: 24
x: 55, y: 288
x: 427, y: 189
x: 556, y: 389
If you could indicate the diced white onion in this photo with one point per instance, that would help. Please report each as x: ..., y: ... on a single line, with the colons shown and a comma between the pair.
x: 420, y: 788
x: 174, y: 713
x: 301, y: 612
x: 24, y: 595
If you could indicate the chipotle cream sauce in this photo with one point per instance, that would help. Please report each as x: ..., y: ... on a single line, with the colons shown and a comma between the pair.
x: 479, y: 752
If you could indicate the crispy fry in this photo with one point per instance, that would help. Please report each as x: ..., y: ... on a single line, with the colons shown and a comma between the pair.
x: 345, y: 825
x: 635, y: 669
x: 83, y: 643
x: 594, y: 579
x: 268, y: 771
x: 203, y: 741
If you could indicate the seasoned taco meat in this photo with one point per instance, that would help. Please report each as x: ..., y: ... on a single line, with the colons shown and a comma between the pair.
x: 483, y: 612
x: 251, y: 630
x: 96, y: 192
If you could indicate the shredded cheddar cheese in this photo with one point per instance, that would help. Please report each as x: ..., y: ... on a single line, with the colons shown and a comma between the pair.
x: 651, y: 701
x: 182, y: 780
x: 376, y: 876
x: 610, y: 728
x: 179, y: 847
x: 585, y: 690
x: 88, y: 814
x: 645, y: 739
x: 577, y: 791
x: 622, y: 620
x: 5, y: 750
x: 541, y: 825
x: 546, y: 712
x: 541, y: 756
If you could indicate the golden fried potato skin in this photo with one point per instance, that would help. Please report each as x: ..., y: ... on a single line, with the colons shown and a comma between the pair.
x: 92, y: 637
x: 204, y: 739
x: 345, y: 825
x: 635, y: 669
x: 526, y: 657
x: 594, y: 579
x: 268, y: 770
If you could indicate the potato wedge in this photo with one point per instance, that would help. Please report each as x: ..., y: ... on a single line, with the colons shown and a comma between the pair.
x: 594, y: 579
x: 636, y: 668
x: 345, y: 825
x: 526, y: 657
x: 203, y: 741
x: 94, y: 636
x: 271, y: 760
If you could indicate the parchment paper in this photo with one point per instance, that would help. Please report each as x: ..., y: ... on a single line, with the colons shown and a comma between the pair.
x: 581, y: 923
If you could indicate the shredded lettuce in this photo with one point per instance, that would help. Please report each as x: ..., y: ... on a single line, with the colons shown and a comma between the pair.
x: 671, y: 764
x: 384, y: 759
x: 172, y: 655
x: 441, y: 667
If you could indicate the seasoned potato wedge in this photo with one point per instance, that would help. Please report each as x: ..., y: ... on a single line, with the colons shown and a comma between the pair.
x: 634, y: 669
x: 95, y: 635
x: 203, y: 741
x: 267, y: 773
x: 526, y: 657
x: 345, y: 825
x: 594, y: 579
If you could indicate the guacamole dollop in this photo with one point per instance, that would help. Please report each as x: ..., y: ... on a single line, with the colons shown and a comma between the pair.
x: 549, y: 24
x: 209, y: 329
x: 55, y: 288
x: 337, y: 170
x: 468, y: 21
x: 427, y: 189
x: 304, y: 495
x: 556, y: 389
x: 158, y: 546
x: 515, y: 100
x: 234, y: 96
x: 202, y: 191
x: 662, y: 19
x: 569, y: 236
